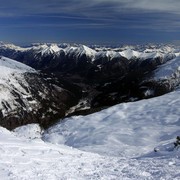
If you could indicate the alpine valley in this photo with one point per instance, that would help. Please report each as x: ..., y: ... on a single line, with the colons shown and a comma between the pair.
x: 76, y: 79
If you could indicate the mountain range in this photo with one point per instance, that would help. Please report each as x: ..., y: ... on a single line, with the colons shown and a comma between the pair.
x: 61, y: 79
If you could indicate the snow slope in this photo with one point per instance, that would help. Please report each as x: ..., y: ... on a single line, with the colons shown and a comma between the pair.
x: 123, y: 135
x: 9, y: 66
x: 167, y: 75
x: 29, y: 159
x: 127, y: 129
x: 168, y: 70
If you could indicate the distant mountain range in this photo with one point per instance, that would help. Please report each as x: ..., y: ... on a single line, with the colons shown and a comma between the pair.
x: 69, y: 57
x: 66, y: 79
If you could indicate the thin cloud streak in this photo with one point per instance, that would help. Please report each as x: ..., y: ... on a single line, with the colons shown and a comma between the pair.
x: 90, y: 10
x: 90, y: 7
x: 76, y: 26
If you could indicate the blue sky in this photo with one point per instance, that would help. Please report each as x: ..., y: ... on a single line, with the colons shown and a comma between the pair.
x: 90, y: 21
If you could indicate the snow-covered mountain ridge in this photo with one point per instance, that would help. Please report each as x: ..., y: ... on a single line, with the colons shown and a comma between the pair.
x: 10, y: 66
x: 11, y: 75
x: 26, y: 96
x: 129, y: 52
x: 85, y: 60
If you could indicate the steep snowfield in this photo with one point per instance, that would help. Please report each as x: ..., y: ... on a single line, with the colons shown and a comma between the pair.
x: 124, y: 136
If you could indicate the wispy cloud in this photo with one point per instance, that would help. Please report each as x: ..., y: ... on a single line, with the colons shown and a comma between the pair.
x: 118, y: 15
x: 88, y: 7
x: 172, y: 6
x: 51, y: 25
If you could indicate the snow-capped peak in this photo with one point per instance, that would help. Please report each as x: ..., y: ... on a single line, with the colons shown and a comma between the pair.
x: 113, y: 54
x: 54, y: 47
x: 88, y: 50
x: 129, y: 53
x: 80, y: 50
x: 46, y: 49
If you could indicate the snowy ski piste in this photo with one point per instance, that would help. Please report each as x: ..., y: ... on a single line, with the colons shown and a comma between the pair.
x: 116, y: 143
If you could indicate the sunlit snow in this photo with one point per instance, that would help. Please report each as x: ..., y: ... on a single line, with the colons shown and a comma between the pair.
x: 116, y: 143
